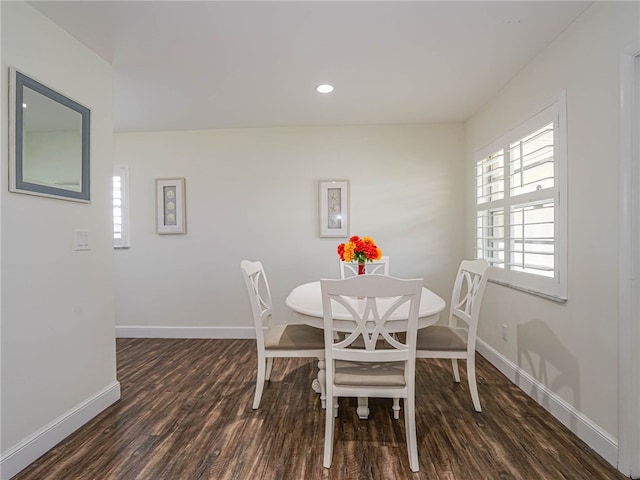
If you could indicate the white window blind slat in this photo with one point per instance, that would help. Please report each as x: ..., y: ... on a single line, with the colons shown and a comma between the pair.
x: 531, y: 162
x: 490, y: 177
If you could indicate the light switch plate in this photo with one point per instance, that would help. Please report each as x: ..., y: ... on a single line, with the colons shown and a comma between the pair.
x: 82, y: 240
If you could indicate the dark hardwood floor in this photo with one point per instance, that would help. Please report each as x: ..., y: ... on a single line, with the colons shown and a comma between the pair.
x: 186, y: 414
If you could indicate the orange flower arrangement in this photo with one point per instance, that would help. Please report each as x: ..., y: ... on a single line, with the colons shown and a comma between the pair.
x: 359, y: 250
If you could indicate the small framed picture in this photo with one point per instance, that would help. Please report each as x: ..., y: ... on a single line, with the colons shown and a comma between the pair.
x: 170, y: 206
x: 334, y: 208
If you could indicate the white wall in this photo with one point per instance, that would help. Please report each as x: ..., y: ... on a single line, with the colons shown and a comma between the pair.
x: 58, y: 347
x: 253, y: 193
x: 570, y: 349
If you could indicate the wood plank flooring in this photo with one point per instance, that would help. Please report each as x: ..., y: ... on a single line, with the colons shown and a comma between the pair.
x: 185, y: 414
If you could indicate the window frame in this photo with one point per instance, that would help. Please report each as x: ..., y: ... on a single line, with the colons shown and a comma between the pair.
x: 121, y: 171
x: 553, y: 287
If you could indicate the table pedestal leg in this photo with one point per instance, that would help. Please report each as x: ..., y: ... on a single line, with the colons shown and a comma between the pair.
x: 363, y: 408
x: 319, y: 384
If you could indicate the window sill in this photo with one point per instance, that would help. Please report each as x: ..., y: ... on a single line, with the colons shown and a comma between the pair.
x: 546, y: 296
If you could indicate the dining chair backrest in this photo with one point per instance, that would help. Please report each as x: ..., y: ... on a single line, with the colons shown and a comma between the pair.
x: 377, y: 267
x: 371, y: 340
x: 257, y: 285
x: 467, y: 295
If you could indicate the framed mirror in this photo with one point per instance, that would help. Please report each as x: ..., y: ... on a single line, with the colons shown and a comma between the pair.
x: 49, y: 141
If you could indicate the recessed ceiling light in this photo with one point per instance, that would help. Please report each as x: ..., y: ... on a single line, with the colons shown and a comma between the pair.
x: 324, y: 88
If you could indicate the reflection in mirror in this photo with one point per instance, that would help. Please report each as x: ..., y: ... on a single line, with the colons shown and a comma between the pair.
x: 50, y: 140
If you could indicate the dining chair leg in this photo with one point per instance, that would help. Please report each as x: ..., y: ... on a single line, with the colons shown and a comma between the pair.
x: 259, y: 382
x: 410, y: 427
x: 269, y: 367
x: 396, y: 408
x: 328, y: 431
x: 473, y: 386
x: 363, y: 408
x: 456, y: 372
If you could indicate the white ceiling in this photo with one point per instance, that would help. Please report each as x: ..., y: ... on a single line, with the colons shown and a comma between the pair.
x: 210, y: 64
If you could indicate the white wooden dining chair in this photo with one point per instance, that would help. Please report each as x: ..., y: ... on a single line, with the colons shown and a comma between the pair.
x: 275, y: 341
x: 457, y: 340
x: 370, y: 361
x: 379, y: 267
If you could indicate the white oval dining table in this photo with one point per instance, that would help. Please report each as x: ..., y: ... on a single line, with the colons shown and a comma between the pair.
x: 305, y: 304
x: 305, y: 301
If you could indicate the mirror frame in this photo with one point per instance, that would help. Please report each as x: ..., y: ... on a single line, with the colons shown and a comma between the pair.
x: 18, y: 81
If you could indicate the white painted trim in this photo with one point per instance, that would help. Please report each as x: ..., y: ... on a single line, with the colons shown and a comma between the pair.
x: 184, y: 332
x: 27, y: 451
x: 629, y: 267
x: 598, y: 439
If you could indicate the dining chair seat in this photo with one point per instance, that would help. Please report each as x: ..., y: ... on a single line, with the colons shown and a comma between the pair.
x: 293, y: 337
x: 439, y: 337
x: 369, y: 374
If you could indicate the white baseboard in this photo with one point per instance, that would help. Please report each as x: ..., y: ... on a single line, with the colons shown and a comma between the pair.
x: 27, y: 451
x: 590, y: 433
x: 184, y: 332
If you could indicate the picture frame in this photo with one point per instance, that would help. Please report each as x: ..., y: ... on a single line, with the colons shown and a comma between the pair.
x: 334, y: 208
x: 49, y: 141
x: 170, y: 206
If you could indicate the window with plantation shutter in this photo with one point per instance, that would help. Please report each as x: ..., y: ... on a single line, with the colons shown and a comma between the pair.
x: 120, y: 204
x: 521, y: 205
